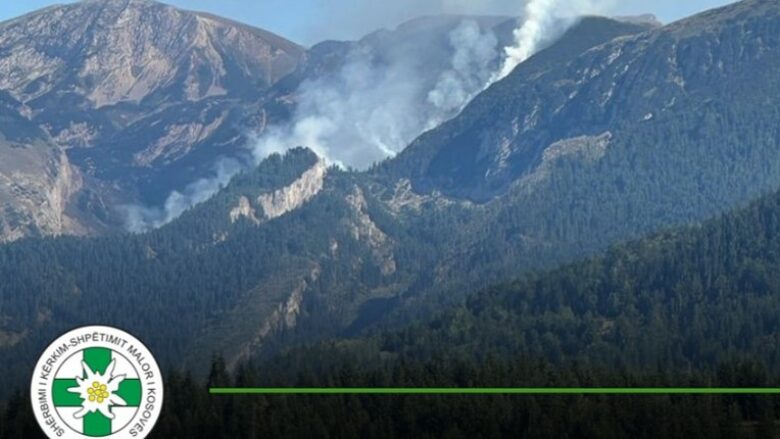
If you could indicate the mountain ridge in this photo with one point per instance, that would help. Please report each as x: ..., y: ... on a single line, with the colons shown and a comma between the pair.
x: 164, y: 118
x: 522, y: 79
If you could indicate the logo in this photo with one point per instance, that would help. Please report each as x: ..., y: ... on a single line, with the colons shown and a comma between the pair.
x: 96, y: 381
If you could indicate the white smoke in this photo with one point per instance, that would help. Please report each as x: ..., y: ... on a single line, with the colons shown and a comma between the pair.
x: 543, y: 19
x: 353, y: 118
x: 475, y: 54
x: 362, y: 114
x: 142, y: 218
x: 369, y: 111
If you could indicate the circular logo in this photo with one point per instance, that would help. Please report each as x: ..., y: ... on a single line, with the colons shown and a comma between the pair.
x: 96, y: 381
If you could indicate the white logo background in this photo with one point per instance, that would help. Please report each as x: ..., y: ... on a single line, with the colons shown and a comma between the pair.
x: 63, y: 359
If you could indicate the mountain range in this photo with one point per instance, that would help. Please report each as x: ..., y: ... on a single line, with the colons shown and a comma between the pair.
x: 116, y: 103
x: 612, y: 132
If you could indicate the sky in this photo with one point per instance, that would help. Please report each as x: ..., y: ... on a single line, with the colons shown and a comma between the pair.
x: 309, y: 21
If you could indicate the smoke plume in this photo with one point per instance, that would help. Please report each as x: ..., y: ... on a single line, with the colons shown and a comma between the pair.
x: 475, y: 54
x: 543, y: 20
x: 370, y: 109
x: 142, y: 218
x: 385, y: 96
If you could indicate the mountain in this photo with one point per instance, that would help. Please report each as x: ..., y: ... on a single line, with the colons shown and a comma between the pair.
x: 113, y: 102
x: 636, y: 84
x: 119, y: 51
x: 602, y: 136
x: 691, y: 307
x: 662, y: 127
x: 286, y: 252
x: 611, y: 133
x: 688, y: 299
x: 114, y: 105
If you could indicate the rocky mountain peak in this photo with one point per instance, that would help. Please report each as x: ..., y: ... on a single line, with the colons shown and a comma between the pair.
x: 109, y: 98
x: 126, y: 50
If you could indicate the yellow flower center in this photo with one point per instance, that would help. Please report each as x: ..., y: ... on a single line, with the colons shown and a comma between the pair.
x: 98, y: 392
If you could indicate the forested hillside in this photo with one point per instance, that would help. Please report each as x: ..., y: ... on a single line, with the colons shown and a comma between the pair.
x: 189, y: 412
x: 630, y: 135
x: 685, y: 300
x: 695, y: 306
x: 294, y: 250
x: 645, y: 131
x: 692, y: 307
x: 167, y: 285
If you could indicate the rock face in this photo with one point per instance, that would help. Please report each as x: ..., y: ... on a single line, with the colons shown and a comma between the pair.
x: 293, y: 196
x: 131, y: 98
x: 363, y: 228
x: 283, y: 200
x: 130, y: 50
x: 244, y: 209
x: 585, y: 148
x: 37, y: 184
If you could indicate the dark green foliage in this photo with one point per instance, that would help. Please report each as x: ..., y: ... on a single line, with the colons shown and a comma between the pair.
x: 692, y: 133
x: 190, y: 412
x: 697, y: 305
x: 689, y: 298
x: 204, y: 282
x: 166, y: 285
x: 691, y: 307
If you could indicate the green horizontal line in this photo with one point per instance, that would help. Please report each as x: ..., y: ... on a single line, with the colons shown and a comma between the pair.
x: 494, y: 391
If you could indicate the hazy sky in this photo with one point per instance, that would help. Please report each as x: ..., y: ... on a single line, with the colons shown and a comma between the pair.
x: 309, y: 21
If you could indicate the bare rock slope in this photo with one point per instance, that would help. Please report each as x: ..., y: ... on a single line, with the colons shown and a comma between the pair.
x: 111, y: 102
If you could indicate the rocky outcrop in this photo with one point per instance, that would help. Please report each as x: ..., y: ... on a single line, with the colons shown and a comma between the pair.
x: 244, y: 210
x: 177, y: 142
x: 291, y: 197
x: 585, y: 148
x: 37, y: 185
x: 128, y: 50
x: 589, y: 148
x: 272, y: 205
x: 406, y: 199
x: 283, y: 315
x: 362, y: 228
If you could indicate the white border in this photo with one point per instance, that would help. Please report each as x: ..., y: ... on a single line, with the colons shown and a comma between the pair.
x: 37, y: 383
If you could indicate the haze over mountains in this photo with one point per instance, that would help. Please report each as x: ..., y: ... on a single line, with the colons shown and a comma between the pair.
x: 141, y: 110
x: 123, y: 113
x: 613, y: 131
